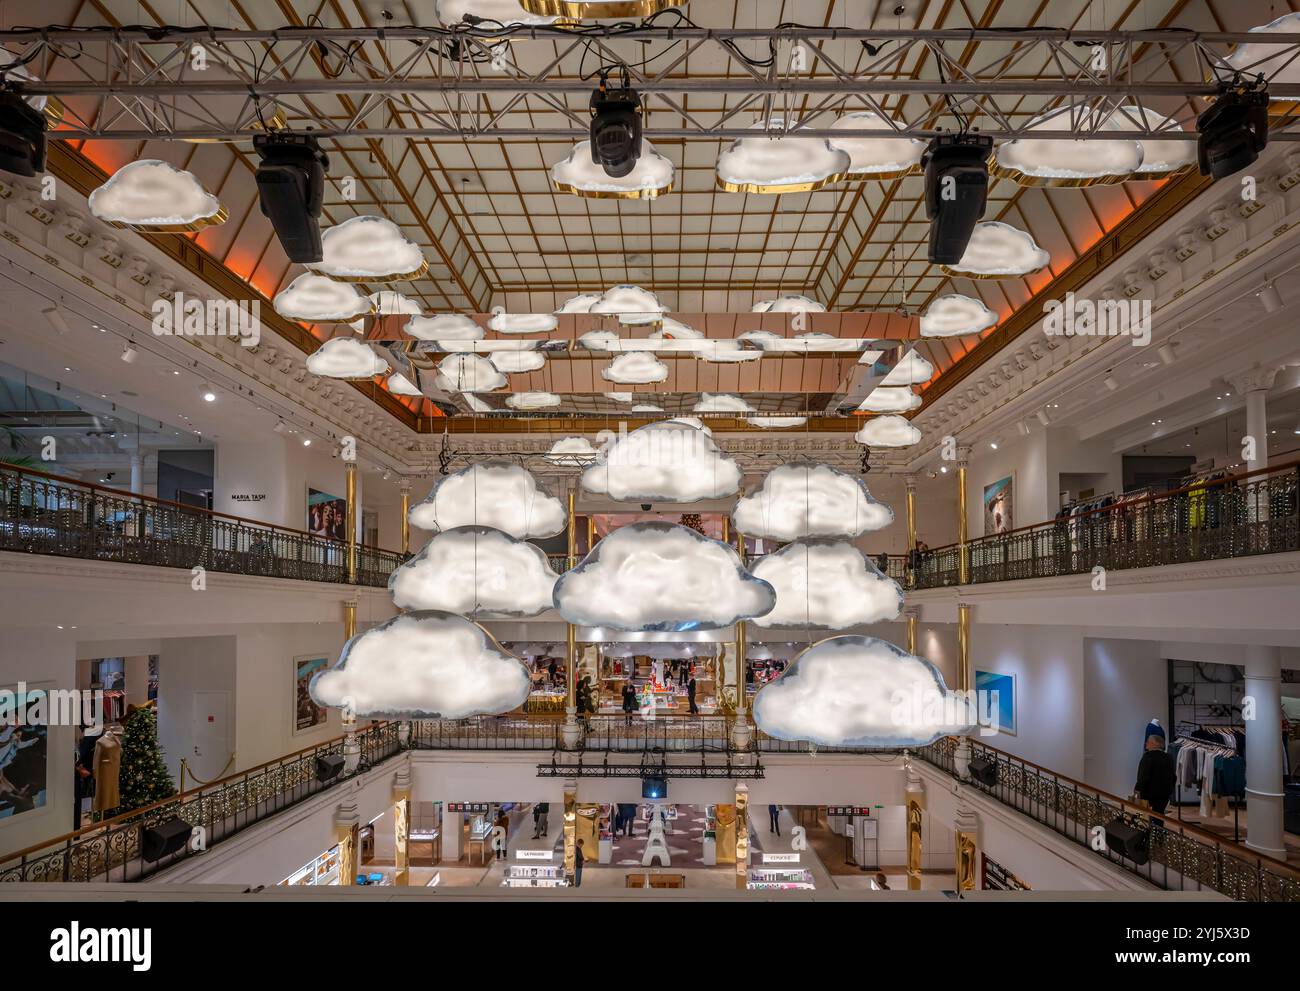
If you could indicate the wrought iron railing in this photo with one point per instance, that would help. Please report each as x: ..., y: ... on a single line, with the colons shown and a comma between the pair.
x: 1178, y: 856
x: 1237, y: 516
x: 46, y: 514
x: 112, y: 850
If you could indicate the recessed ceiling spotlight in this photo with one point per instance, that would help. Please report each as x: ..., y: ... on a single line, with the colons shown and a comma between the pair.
x: 306, y: 442
x: 944, y: 469
x: 208, y: 393
x: 993, y: 444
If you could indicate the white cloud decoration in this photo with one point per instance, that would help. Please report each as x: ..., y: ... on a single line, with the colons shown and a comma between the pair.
x: 667, y: 461
x: 999, y: 251
x: 675, y: 329
x: 721, y: 402
x: 647, y: 408
x: 502, y: 11
x: 346, y: 358
x: 452, y: 331
x: 955, y: 315
x: 776, y: 163
x: 388, y: 303
x: 809, y: 500
x: 316, y: 299
x: 890, y: 399
x: 888, y: 431
x: 620, y: 397
x: 399, y: 385
x: 369, y: 249
x: 883, y: 157
x: 801, y: 343
x: 426, y: 664
x: 911, y: 369
x: 498, y: 494
x: 599, y: 340
x: 1276, y: 61
x: 1050, y: 162
x: 632, y: 305
x: 828, y: 584
x: 1159, y: 156
x: 522, y: 323
x: 637, y: 368
x: 855, y: 691
x: 651, y: 176
x: 533, y: 400
x: 572, y: 452
x: 726, y: 349
x: 582, y: 303
x: 469, y: 373
x: 661, y: 576
x: 150, y: 195
x: 788, y: 304
x: 516, y: 362
x: 478, y: 572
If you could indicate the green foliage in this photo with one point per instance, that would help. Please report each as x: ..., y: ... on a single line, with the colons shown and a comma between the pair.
x: 143, y: 779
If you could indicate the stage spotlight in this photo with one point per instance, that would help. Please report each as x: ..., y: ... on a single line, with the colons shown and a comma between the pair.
x: 1233, y: 131
x: 291, y: 189
x: 22, y: 136
x: 1270, y: 297
x: 54, y: 316
x: 615, y: 129
x: 956, y: 189
x: 129, y: 353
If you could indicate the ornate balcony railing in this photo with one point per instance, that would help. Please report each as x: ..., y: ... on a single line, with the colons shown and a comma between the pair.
x: 112, y: 850
x: 46, y: 514
x: 1179, y: 856
x: 1236, y: 516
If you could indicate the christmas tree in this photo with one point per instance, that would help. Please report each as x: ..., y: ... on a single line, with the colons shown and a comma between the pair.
x: 143, y: 779
x: 693, y: 521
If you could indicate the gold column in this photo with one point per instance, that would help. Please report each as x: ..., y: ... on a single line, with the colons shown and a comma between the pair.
x: 911, y: 530
x: 963, y: 549
x: 351, y: 521
x: 742, y: 704
x: 911, y: 631
x: 406, y: 509
x: 347, y: 837
x: 402, y: 835
x: 967, y: 852
x: 570, y: 828
x: 571, y: 652
x: 964, y: 677
x: 742, y: 836
x: 591, y: 532
x: 726, y: 529
x: 915, y: 814
x: 349, y: 619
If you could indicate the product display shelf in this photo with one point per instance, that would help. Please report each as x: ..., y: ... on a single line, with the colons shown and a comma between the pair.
x: 771, y: 878
x: 534, y: 876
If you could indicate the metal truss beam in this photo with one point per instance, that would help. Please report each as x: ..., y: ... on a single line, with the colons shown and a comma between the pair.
x: 137, y: 84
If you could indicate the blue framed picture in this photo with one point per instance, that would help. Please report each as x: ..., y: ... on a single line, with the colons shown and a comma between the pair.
x: 1005, y: 709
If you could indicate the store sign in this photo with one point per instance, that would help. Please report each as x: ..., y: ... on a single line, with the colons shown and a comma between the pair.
x: 780, y: 858
x: 534, y: 854
x: 848, y: 810
x: 248, y: 497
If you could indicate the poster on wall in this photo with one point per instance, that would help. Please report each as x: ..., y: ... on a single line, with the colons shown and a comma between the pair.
x: 998, y: 498
x: 1004, y: 711
x: 24, y: 763
x: 326, y: 515
x: 306, y: 713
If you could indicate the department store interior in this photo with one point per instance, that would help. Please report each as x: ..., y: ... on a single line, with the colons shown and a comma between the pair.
x: 785, y: 450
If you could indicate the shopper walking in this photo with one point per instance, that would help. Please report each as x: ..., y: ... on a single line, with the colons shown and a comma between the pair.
x: 501, y: 833
x: 774, y: 819
x: 1155, y: 776
x: 628, y: 811
x: 629, y: 703
x: 551, y: 669
x: 578, y: 860
x: 690, y: 696
x: 541, y: 810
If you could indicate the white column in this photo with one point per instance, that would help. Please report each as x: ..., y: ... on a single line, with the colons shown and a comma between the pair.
x: 137, y: 474
x: 1257, y: 427
x: 1264, y: 751
x: 137, y: 679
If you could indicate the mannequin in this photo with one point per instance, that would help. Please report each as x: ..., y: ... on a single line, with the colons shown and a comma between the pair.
x: 108, y: 766
x: 1154, y: 728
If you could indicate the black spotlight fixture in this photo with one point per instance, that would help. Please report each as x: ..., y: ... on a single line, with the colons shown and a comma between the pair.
x: 984, y: 771
x: 1128, y: 841
x: 615, y: 128
x: 22, y: 136
x: 1233, y: 131
x: 291, y: 189
x: 956, y: 189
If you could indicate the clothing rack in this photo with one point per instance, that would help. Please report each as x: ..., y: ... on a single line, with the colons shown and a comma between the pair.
x: 1213, y: 748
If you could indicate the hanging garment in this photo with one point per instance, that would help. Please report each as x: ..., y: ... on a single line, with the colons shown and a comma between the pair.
x: 108, y: 767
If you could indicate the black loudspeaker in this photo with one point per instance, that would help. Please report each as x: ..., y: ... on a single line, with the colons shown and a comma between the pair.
x: 164, y: 839
x: 1127, y: 841
x: 984, y: 771
x: 329, y: 766
x: 956, y: 191
x: 291, y: 191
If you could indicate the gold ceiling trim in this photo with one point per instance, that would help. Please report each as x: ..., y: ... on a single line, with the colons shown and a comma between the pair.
x: 587, y: 8
x: 776, y: 189
x: 957, y: 273
x: 608, y: 194
x: 852, y: 176
x: 1054, y: 182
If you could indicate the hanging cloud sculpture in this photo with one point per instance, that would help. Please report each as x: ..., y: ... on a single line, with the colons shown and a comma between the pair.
x: 665, y: 461
x: 826, y: 583
x: 498, y: 494
x: 809, y: 500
